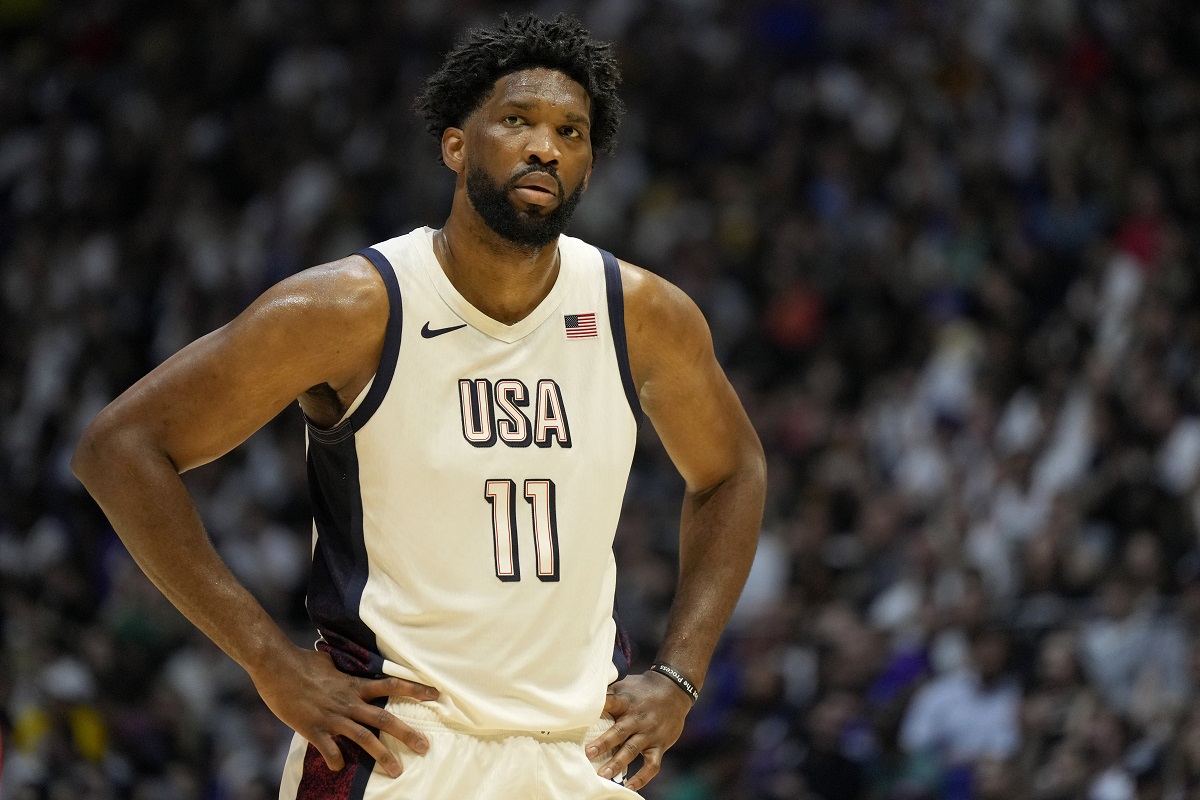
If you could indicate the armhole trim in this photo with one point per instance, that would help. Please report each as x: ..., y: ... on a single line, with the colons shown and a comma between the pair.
x: 391, y: 341
x: 616, y: 320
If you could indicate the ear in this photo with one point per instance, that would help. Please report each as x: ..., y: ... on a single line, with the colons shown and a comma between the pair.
x: 588, y: 175
x: 454, y: 149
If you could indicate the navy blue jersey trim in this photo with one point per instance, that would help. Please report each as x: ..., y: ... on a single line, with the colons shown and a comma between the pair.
x: 391, y: 340
x: 616, y: 319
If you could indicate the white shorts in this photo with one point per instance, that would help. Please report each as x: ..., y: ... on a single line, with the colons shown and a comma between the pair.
x: 519, y: 765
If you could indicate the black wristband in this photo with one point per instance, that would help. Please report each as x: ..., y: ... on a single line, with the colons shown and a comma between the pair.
x: 677, y: 677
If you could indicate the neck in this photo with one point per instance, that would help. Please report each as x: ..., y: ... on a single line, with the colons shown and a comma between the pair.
x: 501, y: 279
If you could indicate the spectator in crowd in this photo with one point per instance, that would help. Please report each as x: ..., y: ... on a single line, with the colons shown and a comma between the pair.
x: 968, y: 715
x: 1107, y: 738
x: 827, y: 772
x: 1135, y: 656
x: 1059, y: 703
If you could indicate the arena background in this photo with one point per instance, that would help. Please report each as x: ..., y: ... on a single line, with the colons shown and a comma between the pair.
x: 948, y: 251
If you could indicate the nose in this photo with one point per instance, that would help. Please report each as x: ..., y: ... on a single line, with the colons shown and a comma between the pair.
x: 541, y: 147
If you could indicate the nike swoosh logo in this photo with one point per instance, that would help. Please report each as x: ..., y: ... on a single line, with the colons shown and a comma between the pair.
x: 429, y: 333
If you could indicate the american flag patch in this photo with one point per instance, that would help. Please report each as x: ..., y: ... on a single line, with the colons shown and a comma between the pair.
x: 580, y: 326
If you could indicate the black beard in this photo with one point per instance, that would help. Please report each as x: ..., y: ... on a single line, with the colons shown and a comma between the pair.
x: 491, y: 201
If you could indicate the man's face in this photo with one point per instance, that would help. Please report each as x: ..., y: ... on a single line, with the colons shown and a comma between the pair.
x: 528, y: 155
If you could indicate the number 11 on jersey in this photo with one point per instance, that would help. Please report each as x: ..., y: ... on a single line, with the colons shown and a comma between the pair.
x: 539, y: 494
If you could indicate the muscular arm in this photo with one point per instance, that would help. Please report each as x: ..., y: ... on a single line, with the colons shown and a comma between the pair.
x: 709, y: 438
x: 323, y: 326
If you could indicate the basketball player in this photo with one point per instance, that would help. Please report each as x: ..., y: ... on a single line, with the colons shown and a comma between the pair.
x: 472, y: 397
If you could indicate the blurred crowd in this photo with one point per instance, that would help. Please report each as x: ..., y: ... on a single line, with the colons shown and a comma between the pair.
x: 949, y: 252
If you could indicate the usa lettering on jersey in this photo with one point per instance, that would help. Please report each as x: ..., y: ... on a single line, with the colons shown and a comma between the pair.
x: 498, y: 412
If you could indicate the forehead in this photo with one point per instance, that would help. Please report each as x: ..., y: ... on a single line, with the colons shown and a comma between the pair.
x: 540, y: 86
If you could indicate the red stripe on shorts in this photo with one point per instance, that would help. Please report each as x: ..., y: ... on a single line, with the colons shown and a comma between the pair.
x: 319, y: 782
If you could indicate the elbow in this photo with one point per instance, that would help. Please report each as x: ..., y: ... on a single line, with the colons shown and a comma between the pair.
x: 754, y: 481
x: 745, y: 472
x: 106, y: 444
x: 754, y: 464
x: 87, y: 462
x: 759, y: 460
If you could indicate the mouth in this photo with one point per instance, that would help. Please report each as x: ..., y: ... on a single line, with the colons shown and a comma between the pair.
x: 535, y: 194
x: 538, y: 187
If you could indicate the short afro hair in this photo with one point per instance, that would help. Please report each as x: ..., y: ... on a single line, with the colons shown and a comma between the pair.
x: 471, y: 70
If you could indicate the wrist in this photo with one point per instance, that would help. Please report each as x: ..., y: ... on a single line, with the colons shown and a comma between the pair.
x: 678, y: 678
x: 266, y: 652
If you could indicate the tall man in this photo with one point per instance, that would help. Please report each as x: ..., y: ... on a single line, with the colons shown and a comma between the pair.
x: 472, y: 396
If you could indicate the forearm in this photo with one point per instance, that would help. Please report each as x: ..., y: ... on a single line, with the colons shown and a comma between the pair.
x: 718, y: 538
x: 149, y: 507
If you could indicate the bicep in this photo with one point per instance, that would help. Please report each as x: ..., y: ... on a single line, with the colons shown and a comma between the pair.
x: 209, y: 397
x: 212, y: 395
x: 686, y: 395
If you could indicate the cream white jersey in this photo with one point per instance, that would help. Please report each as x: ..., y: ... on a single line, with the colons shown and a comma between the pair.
x: 465, y: 507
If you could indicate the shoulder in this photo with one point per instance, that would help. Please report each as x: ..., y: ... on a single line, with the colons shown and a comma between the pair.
x: 349, y: 288
x: 332, y: 310
x: 659, y: 310
x: 649, y: 296
x: 328, y: 321
x: 664, y: 328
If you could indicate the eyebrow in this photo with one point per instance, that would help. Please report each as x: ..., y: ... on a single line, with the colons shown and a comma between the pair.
x: 528, y: 105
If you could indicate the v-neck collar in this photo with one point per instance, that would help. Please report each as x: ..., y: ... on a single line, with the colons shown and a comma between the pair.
x: 481, y: 321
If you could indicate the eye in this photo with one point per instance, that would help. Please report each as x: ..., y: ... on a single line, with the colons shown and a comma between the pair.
x: 569, y: 132
x: 513, y: 119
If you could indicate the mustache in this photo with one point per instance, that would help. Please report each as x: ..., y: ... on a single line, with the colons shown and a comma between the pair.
x: 543, y: 168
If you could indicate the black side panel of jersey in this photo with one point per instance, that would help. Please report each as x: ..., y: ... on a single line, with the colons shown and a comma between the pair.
x: 339, y: 569
x: 616, y: 319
